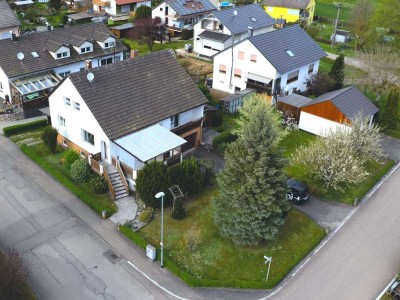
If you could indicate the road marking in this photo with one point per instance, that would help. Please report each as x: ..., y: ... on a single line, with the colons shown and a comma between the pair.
x: 155, y: 282
x: 364, y: 200
x: 386, y: 288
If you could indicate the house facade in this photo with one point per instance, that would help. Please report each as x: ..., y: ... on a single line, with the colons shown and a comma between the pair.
x: 118, y: 8
x: 32, y: 66
x: 9, y: 22
x: 276, y: 63
x: 138, y: 118
x: 290, y: 10
x: 180, y: 14
x: 220, y: 29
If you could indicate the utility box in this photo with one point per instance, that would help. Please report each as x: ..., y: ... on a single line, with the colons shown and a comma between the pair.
x: 151, y: 252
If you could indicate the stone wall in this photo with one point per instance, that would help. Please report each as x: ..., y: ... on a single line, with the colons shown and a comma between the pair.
x: 18, y: 115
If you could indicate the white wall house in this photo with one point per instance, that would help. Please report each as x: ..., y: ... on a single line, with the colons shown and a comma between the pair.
x: 269, y: 66
x: 31, y: 66
x: 220, y: 29
x: 118, y: 7
x: 180, y: 14
x: 113, y: 120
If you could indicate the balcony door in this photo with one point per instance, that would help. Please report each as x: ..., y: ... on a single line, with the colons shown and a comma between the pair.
x: 104, y: 153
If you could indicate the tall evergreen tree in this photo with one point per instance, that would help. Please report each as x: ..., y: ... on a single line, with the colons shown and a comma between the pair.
x: 392, y: 109
x: 337, y: 71
x: 252, y: 203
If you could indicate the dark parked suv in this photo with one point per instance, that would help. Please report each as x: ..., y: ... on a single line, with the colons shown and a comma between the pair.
x: 298, y: 191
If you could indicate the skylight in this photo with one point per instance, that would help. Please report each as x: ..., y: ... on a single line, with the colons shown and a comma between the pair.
x: 253, y: 19
x: 35, y: 54
x: 290, y: 53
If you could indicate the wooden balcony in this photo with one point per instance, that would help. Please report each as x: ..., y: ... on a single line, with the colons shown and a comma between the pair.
x: 173, y: 160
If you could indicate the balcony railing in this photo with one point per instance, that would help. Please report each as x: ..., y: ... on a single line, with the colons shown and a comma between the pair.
x: 173, y: 160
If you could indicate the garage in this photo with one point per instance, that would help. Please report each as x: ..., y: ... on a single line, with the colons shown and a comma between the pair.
x: 190, y: 142
x: 335, y: 110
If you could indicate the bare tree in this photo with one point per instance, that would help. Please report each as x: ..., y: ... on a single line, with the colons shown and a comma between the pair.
x: 361, y: 16
x: 147, y: 30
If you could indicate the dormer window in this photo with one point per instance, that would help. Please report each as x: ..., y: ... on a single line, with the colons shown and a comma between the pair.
x: 86, y: 49
x: 62, y: 54
x: 109, y: 44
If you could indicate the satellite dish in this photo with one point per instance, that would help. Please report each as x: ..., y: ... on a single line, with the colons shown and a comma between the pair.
x: 20, y: 56
x: 235, y: 12
x: 90, y: 76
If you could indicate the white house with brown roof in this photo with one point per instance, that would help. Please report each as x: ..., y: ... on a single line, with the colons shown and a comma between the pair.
x: 276, y: 63
x: 9, y: 22
x: 31, y: 66
x: 150, y: 110
x: 118, y: 8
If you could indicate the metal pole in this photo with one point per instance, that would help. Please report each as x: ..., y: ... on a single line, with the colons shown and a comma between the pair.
x: 162, y: 232
x: 336, y: 22
x: 269, y: 265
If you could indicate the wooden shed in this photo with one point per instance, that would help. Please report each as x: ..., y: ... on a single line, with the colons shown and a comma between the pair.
x: 292, y: 104
x: 233, y: 102
x: 122, y: 31
x: 335, y: 109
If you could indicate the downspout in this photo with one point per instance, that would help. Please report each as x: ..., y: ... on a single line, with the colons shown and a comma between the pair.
x: 230, y: 80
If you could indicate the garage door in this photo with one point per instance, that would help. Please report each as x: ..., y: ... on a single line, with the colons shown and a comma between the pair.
x: 317, y: 125
x: 191, y: 142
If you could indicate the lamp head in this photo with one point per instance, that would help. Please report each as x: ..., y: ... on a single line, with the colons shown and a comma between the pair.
x: 159, y: 195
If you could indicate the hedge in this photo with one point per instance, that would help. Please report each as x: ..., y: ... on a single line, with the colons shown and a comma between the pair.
x: 224, y: 138
x: 88, y: 199
x: 14, y: 129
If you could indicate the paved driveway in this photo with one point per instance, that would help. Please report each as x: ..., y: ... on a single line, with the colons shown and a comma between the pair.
x: 392, y: 147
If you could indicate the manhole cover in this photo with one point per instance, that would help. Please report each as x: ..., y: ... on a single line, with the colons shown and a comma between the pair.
x: 114, y: 256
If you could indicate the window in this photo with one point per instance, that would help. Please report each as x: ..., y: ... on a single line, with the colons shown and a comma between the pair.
x: 35, y: 54
x: 294, y: 12
x: 174, y: 121
x: 88, y: 137
x: 206, y: 47
x: 61, y: 121
x: 109, y: 44
x: 222, y: 69
x: 1, y: 86
x: 253, y: 58
x: 62, y: 54
x: 237, y: 89
x: 290, y: 53
x: 241, y: 55
x: 106, y: 61
x: 65, y: 143
x: 86, y: 49
x: 77, y: 106
x: 293, y: 76
x: 64, y: 74
x: 161, y: 9
x: 67, y: 101
x: 83, y: 154
x: 238, y: 73
x: 310, y: 68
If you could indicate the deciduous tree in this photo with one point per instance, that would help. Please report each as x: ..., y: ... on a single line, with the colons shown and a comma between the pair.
x: 252, y: 204
x: 361, y: 16
x: 147, y: 30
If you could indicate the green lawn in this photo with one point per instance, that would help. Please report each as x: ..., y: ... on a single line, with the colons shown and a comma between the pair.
x: 325, y: 65
x: 143, y: 48
x: 217, y: 261
x: 294, y: 140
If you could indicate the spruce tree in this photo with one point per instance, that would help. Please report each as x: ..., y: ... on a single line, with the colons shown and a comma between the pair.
x: 392, y: 109
x: 252, y: 204
x: 337, y: 71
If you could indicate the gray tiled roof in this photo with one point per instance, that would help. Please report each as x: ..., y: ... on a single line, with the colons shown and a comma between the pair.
x: 301, y: 4
x: 189, y: 7
x: 274, y: 44
x: 237, y: 95
x: 295, y: 100
x: 349, y: 101
x: 43, y: 42
x: 214, y: 36
x: 129, y: 95
x: 7, y: 16
x: 240, y: 22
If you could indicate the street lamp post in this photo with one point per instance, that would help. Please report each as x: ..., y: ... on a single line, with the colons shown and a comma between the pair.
x: 336, y: 24
x: 158, y: 196
x: 268, y: 261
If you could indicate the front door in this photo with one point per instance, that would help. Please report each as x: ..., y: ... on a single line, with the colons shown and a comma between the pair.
x: 104, y: 154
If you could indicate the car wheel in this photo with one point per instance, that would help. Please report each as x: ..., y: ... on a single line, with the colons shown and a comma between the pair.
x: 289, y: 196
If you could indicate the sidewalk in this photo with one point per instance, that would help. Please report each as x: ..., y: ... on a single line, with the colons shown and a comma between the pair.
x: 11, y: 123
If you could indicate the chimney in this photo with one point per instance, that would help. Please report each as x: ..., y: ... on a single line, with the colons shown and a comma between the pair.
x: 88, y: 64
x: 134, y: 53
x: 13, y: 37
x: 249, y: 31
x: 48, y: 26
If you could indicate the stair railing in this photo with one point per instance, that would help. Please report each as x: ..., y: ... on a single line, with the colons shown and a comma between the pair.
x: 110, y: 186
x: 121, y: 174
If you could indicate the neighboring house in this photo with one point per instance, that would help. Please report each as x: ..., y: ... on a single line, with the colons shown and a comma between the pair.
x: 290, y: 10
x: 31, y: 66
x: 277, y: 63
x: 135, y: 111
x: 341, y: 36
x: 335, y: 109
x: 118, y: 7
x: 222, y: 28
x: 8, y: 21
x: 180, y: 14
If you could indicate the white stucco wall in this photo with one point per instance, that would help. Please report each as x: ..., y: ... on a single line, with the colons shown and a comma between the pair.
x: 76, y: 120
x: 159, y: 11
x: 5, y: 32
x: 5, y: 83
x: 317, y: 125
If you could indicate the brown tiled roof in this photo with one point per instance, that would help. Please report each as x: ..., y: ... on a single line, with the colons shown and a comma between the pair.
x: 135, y: 93
x: 43, y: 42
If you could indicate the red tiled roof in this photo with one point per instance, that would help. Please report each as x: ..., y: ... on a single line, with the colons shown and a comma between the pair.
x: 122, y: 2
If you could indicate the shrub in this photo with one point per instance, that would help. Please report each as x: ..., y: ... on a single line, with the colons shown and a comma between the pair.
x: 99, y: 184
x: 143, y: 12
x: 215, y: 118
x: 187, y: 175
x: 49, y: 137
x: 186, y: 34
x: 204, y: 90
x: 179, y: 211
x: 224, y: 138
x: 70, y: 157
x: 145, y: 216
x: 10, y: 130
x: 192, y: 238
x: 80, y: 171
